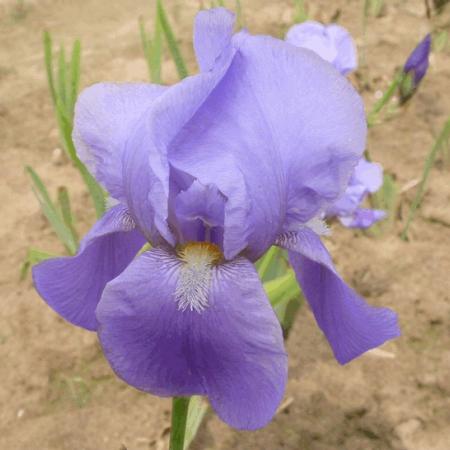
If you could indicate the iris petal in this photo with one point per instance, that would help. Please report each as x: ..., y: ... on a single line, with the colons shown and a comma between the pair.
x: 146, y: 168
x: 104, y: 114
x: 351, y: 326
x: 212, y: 35
x: 72, y: 285
x: 232, y: 350
x: 315, y: 117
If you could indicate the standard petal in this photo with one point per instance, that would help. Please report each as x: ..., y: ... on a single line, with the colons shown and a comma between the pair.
x: 232, y: 350
x: 72, y: 286
x: 146, y: 169
x: 104, y: 115
x: 351, y: 326
x: 212, y: 35
x: 314, y: 115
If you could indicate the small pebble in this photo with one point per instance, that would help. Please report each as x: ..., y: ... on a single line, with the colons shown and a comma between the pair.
x: 20, y: 413
x: 57, y: 157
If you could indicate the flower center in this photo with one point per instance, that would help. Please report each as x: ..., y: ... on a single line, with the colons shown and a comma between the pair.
x: 199, y: 259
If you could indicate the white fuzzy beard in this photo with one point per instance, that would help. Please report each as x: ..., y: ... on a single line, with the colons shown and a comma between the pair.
x: 192, y: 291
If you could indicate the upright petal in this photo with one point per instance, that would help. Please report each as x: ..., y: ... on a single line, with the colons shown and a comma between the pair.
x: 231, y: 349
x: 212, y: 35
x: 73, y: 285
x: 315, y: 117
x: 351, y: 326
x: 146, y: 168
x: 104, y: 115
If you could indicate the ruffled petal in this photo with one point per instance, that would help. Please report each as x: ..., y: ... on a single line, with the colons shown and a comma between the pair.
x: 146, y: 168
x: 72, y: 285
x: 228, y: 143
x: 104, y: 115
x: 351, y: 326
x: 231, y: 350
x: 213, y: 31
x: 315, y: 117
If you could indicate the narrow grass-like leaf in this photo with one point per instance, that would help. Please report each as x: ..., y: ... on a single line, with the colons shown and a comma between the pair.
x: 34, y: 256
x: 239, y: 14
x: 66, y: 211
x: 156, y: 52
x: 146, y: 45
x: 62, y: 76
x: 439, y: 142
x: 196, y: 412
x: 171, y: 41
x: 384, y: 100
x: 74, y: 78
x: 300, y: 11
x: 48, y: 58
x: 51, y: 213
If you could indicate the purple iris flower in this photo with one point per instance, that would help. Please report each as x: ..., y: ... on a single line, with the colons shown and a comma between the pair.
x: 331, y: 42
x: 417, y: 63
x: 212, y: 171
x: 367, y: 178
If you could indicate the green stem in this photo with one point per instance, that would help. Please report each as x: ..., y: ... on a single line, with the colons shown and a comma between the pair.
x: 384, y: 99
x: 180, y: 407
x: 445, y: 134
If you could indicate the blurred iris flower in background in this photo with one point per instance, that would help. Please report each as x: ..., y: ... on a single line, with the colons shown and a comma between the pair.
x: 212, y: 172
x: 335, y: 44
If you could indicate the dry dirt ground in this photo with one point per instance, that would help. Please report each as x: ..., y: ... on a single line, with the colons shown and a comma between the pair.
x: 56, y: 390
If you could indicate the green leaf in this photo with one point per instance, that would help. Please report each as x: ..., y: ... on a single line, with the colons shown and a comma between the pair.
x: 34, y: 256
x: 281, y: 287
x: 66, y: 212
x: 284, y: 294
x: 439, y: 142
x: 272, y: 264
x: 48, y: 58
x: 62, y: 77
x: 48, y: 208
x: 300, y: 11
x: 197, y: 409
x: 74, y: 78
x: 171, y: 41
x: 384, y: 100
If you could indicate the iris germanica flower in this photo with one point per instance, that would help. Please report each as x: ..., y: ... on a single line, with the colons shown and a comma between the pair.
x: 331, y: 42
x: 213, y: 171
x: 416, y: 67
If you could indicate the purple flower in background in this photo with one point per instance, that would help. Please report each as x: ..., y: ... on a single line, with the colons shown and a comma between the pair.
x: 331, y: 42
x: 417, y: 63
x: 366, y: 179
x: 212, y: 171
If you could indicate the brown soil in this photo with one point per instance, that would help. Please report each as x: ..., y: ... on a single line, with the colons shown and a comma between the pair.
x: 56, y: 390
